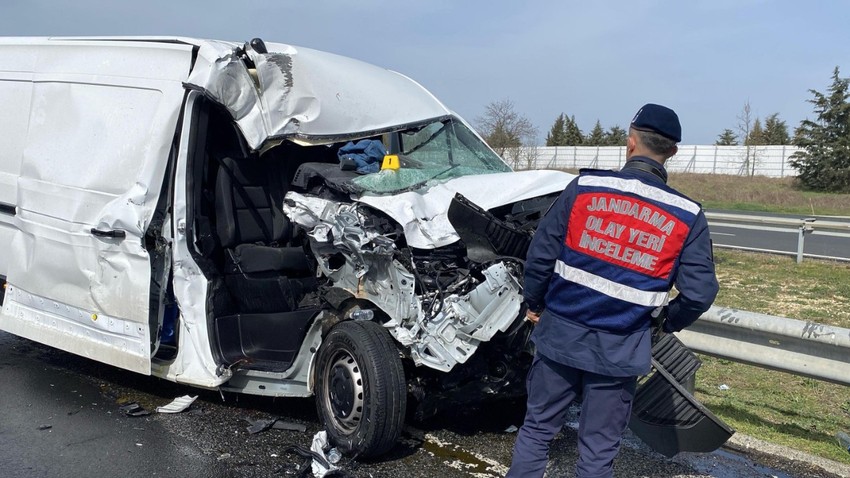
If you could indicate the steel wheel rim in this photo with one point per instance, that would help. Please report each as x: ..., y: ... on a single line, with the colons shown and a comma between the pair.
x: 344, y: 392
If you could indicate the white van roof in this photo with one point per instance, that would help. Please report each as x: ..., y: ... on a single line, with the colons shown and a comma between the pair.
x: 295, y: 93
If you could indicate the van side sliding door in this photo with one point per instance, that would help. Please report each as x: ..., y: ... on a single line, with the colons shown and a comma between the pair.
x: 102, y: 122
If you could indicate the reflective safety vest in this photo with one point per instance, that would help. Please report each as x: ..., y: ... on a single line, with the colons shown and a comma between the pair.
x: 620, y: 253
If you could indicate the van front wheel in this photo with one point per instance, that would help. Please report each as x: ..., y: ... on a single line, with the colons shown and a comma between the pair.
x: 361, y: 394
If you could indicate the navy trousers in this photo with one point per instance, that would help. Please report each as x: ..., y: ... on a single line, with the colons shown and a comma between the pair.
x: 605, y: 409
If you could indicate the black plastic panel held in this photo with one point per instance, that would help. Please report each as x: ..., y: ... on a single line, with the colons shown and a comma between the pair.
x: 9, y: 209
x: 665, y: 414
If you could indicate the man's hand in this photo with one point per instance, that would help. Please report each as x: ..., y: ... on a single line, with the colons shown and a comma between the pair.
x: 658, y: 319
x: 658, y: 316
x: 532, y: 317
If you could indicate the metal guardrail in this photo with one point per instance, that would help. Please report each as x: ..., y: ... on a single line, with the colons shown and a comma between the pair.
x: 788, y: 345
x: 795, y: 346
x: 805, y: 226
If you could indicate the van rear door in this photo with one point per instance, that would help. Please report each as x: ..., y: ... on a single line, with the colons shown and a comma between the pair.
x: 102, y: 123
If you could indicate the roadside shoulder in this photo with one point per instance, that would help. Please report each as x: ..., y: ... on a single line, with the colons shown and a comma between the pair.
x: 745, y: 444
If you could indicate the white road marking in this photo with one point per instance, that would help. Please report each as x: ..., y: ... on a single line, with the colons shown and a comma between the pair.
x: 722, y: 234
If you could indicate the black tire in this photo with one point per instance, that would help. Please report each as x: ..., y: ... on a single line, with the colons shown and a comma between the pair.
x: 361, y: 395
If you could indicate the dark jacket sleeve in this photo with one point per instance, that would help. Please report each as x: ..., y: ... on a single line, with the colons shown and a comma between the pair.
x: 545, y: 249
x: 695, y: 279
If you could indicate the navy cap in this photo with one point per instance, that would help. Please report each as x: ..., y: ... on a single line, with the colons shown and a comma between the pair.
x: 658, y: 119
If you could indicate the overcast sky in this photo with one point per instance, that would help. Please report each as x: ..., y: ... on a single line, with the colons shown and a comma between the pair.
x: 592, y: 59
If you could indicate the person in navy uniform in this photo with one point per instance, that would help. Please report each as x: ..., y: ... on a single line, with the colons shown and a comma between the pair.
x: 603, y: 259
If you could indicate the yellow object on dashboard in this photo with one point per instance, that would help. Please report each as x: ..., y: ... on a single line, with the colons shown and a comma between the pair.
x: 390, y: 162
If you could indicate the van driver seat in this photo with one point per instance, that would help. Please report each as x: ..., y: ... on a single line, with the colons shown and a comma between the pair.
x: 262, y: 273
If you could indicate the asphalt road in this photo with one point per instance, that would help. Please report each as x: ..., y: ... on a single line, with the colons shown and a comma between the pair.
x: 54, y: 423
x: 60, y: 417
x: 781, y: 238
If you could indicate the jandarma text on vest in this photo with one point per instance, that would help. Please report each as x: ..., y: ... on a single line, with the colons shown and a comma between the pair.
x: 625, y: 231
x: 633, y: 209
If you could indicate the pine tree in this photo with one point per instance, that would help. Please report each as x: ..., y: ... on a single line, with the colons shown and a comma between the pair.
x: 573, y: 135
x: 615, y: 136
x: 756, y: 137
x: 596, y: 136
x: 799, y: 134
x: 824, y: 163
x: 727, y: 138
x: 558, y: 134
x: 775, y: 130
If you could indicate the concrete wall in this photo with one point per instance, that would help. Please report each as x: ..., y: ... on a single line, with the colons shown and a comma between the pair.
x: 708, y: 159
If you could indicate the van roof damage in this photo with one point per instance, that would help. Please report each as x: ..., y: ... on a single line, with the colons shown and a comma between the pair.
x: 343, y: 99
x: 277, y: 91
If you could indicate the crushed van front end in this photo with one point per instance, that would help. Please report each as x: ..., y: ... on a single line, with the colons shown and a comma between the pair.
x: 454, y: 310
x: 439, y: 305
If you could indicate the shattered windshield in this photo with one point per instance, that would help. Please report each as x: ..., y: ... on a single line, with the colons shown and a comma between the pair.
x: 436, y: 151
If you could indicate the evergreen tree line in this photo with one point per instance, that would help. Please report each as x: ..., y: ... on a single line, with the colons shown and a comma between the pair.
x: 823, y: 161
x: 774, y: 132
x: 565, y: 132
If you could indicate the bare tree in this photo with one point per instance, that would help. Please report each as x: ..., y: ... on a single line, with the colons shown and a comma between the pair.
x: 745, y: 128
x: 522, y: 157
x: 509, y: 133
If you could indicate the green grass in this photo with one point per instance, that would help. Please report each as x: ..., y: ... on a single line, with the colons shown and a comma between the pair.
x: 776, y: 285
x: 758, y: 193
x: 797, y: 412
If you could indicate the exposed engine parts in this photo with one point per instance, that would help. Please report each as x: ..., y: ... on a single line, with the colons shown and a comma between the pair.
x: 440, y: 305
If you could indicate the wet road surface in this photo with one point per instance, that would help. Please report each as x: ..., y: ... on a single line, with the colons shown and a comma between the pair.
x: 60, y: 416
x: 55, y: 424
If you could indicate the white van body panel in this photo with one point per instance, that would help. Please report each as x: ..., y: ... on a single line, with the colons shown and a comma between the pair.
x: 77, y: 172
x: 308, y: 94
x: 15, y: 96
x: 299, y: 93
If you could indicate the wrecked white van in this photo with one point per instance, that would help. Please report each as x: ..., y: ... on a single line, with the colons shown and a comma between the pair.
x: 278, y: 221
x: 180, y: 208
